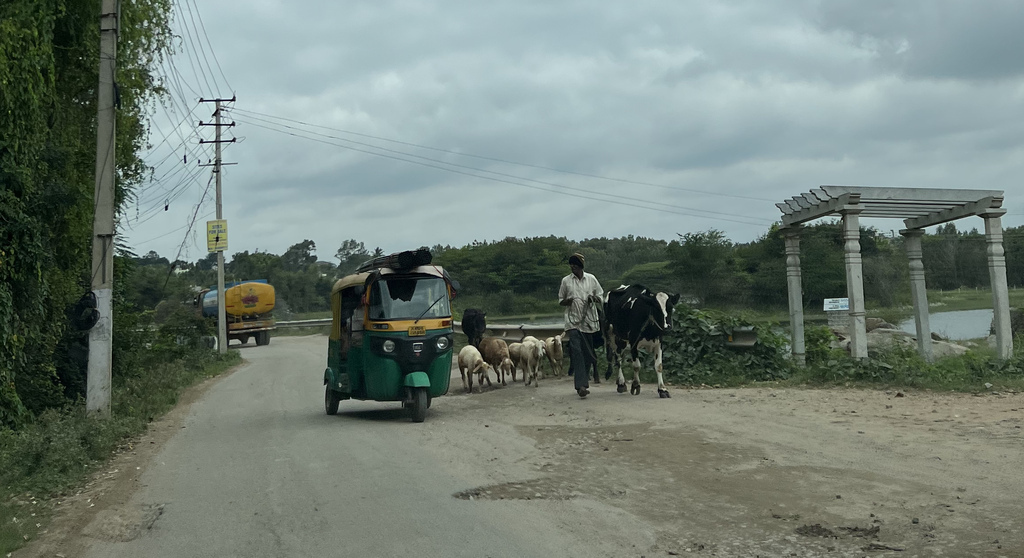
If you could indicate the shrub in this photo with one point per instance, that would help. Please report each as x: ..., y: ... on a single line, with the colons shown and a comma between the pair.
x: 696, y: 350
x: 817, y: 344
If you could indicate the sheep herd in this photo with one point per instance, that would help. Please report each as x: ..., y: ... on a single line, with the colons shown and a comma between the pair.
x: 494, y: 354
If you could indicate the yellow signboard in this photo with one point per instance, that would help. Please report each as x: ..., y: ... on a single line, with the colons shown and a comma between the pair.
x: 217, y: 235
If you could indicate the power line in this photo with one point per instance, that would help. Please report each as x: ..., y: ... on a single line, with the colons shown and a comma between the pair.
x: 212, y: 53
x: 509, y: 162
x: 188, y: 36
x: 691, y: 213
x: 194, y: 216
x: 202, y: 51
x: 168, y: 233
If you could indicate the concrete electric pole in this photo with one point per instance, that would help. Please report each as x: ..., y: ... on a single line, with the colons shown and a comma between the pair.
x: 222, y: 326
x: 97, y: 397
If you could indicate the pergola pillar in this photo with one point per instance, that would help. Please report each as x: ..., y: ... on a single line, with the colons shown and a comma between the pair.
x: 997, y: 278
x: 918, y: 292
x: 919, y: 208
x: 854, y: 281
x: 796, y: 299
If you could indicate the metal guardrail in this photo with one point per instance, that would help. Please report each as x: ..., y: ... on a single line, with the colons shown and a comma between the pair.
x: 506, y: 331
x: 320, y: 322
x: 742, y: 337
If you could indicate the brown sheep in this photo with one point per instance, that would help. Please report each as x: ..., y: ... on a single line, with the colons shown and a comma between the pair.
x: 495, y: 353
x: 515, y: 353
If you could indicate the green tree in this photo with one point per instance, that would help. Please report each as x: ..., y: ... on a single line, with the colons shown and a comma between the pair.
x: 351, y: 254
x: 48, y: 74
x: 705, y: 266
x: 299, y: 256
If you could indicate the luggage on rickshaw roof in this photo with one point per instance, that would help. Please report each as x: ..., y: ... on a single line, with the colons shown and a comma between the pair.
x: 405, y: 259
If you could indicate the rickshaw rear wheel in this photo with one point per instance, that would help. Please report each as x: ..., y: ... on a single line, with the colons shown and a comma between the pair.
x: 420, y: 402
x: 331, y: 401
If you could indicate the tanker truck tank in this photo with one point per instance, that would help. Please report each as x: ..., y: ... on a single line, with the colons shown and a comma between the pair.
x: 248, y: 307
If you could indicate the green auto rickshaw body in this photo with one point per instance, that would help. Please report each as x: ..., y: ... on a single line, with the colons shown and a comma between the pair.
x: 391, y: 335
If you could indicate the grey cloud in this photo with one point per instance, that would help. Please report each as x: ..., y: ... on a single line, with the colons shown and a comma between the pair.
x: 755, y: 98
x: 941, y: 39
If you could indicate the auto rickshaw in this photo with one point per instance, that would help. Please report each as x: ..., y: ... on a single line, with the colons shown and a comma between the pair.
x: 391, y: 333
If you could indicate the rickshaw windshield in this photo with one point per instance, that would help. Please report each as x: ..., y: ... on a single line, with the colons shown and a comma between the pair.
x: 398, y: 298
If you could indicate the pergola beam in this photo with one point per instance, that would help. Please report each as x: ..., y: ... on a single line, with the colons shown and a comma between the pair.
x: 958, y: 212
x: 929, y: 194
x: 821, y: 210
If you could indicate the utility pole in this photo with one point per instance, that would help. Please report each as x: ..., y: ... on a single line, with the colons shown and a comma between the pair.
x: 97, y: 396
x: 222, y: 325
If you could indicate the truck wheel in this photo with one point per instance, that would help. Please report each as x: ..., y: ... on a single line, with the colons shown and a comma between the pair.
x: 331, y: 401
x: 419, y: 404
x: 263, y: 338
x: 243, y: 339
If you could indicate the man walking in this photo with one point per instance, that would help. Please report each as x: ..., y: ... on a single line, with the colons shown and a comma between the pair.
x: 580, y: 293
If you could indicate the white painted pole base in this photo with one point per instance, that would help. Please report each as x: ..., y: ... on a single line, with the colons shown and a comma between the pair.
x: 97, y: 394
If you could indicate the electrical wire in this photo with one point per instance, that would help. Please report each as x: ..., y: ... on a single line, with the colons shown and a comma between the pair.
x: 208, y: 43
x: 625, y: 201
x: 509, y: 162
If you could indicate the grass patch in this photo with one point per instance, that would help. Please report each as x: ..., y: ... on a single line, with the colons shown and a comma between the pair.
x: 323, y: 314
x: 300, y: 331
x: 904, y: 368
x: 61, y: 447
x: 969, y: 299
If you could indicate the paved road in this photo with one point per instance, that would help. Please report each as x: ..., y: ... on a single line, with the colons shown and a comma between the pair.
x: 260, y: 470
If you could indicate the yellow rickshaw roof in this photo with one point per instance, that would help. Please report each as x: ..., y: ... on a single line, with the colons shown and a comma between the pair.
x: 349, y: 281
x: 360, y: 278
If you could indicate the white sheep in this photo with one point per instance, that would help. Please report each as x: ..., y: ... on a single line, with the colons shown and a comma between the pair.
x: 471, y: 362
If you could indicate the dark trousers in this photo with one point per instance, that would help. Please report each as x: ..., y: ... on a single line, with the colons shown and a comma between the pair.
x: 581, y: 358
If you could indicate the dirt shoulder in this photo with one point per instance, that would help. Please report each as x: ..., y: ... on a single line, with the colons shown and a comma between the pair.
x: 99, y: 507
x: 760, y: 471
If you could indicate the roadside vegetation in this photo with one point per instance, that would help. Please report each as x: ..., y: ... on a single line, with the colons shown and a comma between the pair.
x: 61, y: 445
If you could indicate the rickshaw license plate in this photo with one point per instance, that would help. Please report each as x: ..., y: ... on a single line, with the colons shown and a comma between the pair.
x: 417, y: 330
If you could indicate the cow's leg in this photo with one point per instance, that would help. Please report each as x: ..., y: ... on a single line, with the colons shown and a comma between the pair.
x: 472, y: 372
x: 635, y: 353
x: 662, y: 390
x: 620, y: 382
x: 463, y: 372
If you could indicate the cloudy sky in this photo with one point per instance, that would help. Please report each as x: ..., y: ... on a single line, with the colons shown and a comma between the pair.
x: 408, y: 123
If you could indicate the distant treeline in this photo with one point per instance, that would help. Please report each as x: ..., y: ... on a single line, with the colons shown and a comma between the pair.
x: 521, y: 275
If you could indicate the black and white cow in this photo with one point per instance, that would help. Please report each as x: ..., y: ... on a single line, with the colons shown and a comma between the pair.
x: 636, y: 319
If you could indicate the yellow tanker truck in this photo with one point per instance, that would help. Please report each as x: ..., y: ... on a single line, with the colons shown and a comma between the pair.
x: 248, y: 307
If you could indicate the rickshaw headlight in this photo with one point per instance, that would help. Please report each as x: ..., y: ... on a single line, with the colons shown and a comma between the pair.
x: 388, y: 346
x: 442, y: 343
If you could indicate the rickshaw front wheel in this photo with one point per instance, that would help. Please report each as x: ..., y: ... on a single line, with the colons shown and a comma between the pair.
x: 420, y: 402
x: 331, y: 401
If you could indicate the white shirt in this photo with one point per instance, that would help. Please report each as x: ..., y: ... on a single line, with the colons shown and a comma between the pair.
x: 580, y: 290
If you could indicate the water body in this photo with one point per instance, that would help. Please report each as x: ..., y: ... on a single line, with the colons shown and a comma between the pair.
x: 960, y: 324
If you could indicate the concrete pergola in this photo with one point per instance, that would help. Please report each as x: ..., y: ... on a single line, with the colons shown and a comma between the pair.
x: 919, y: 208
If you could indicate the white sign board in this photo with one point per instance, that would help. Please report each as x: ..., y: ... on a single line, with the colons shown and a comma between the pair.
x: 836, y: 304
